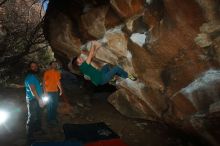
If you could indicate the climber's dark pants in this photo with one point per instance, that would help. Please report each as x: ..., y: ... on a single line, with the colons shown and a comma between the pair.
x: 108, y: 73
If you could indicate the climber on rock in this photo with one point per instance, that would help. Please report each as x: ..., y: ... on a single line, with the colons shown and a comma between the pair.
x: 105, y: 74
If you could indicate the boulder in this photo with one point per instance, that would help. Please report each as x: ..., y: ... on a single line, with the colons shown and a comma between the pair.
x: 171, y: 46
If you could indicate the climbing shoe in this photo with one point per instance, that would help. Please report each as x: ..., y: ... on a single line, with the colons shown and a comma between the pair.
x: 113, y: 81
x: 132, y: 77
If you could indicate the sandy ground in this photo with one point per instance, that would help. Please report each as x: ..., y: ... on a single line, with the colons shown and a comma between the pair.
x: 134, y: 132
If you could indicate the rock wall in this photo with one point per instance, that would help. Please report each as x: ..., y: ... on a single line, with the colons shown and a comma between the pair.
x: 172, y: 46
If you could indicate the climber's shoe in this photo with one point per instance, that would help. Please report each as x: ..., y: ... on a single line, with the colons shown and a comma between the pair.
x: 132, y: 77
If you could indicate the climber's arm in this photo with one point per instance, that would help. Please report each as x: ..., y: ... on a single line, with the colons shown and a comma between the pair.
x: 94, y: 46
x: 91, y: 54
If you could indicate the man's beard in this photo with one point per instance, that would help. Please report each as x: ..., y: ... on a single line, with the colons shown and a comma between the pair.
x: 34, y: 71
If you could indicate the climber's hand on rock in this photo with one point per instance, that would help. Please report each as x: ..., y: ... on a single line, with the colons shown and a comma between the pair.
x: 84, y: 52
x: 96, y: 44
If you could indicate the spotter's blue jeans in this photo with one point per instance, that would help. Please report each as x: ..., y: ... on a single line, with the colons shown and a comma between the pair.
x: 34, y: 117
x: 52, y: 106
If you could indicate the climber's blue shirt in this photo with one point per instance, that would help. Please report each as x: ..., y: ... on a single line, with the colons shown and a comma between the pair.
x: 31, y: 79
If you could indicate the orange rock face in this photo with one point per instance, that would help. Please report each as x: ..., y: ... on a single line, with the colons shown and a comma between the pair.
x: 172, y: 46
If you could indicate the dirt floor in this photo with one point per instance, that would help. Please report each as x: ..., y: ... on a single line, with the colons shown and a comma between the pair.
x: 134, y: 132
